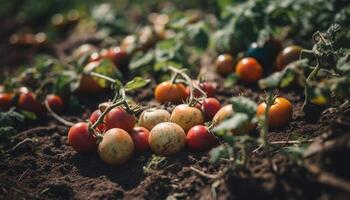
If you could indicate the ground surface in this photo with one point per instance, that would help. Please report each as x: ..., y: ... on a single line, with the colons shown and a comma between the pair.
x: 48, y: 168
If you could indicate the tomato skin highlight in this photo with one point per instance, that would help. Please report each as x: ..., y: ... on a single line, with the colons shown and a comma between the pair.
x: 80, y: 138
x: 6, y: 101
x: 170, y: 92
x: 140, y: 137
x: 116, y: 147
x: 119, y: 118
x: 280, y: 113
x: 199, y: 138
x: 94, y: 117
x: 27, y: 101
x: 55, y: 102
x: 224, y: 64
x: 288, y: 55
x: 186, y: 117
x: 249, y: 70
x: 210, y: 106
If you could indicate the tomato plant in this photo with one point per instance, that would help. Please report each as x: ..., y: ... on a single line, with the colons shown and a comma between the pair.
x: 199, y: 138
x: 94, y: 117
x: 249, y: 70
x: 208, y: 87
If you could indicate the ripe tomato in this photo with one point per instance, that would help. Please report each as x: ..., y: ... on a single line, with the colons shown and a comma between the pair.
x: 55, y: 102
x: 116, y: 147
x: 210, y: 106
x: 288, y: 55
x: 80, y: 138
x: 249, y: 70
x: 151, y: 117
x: 119, y: 118
x: 170, y: 92
x: 224, y: 64
x: 5, y: 101
x: 93, y: 118
x: 208, y: 87
x: 27, y: 101
x: 280, y: 113
x: 88, y: 84
x: 186, y: 116
x: 199, y: 138
x: 167, y: 139
x: 116, y: 55
x: 140, y: 137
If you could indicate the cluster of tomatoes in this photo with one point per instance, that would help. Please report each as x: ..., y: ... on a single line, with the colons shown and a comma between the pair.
x: 165, y: 133
x: 258, y: 61
x: 26, y: 100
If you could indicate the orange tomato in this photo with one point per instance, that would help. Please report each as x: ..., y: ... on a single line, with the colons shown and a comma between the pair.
x: 170, y: 92
x: 249, y: 70
x: 224, y: 64
x: 280, y: 113
x: 5, y: 101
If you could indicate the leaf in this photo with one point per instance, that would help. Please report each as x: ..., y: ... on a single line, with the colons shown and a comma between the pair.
x: 244, y: 105
x: 136, y: 83
x: 107, y: 67
x: 140, y: 60
x: 237, y: 121
x: 220, y: 152
x: 198, y: 35
x: 29, y: 115
x: 231, y: 80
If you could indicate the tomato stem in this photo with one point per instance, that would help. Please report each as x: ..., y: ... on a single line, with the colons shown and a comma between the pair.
x: 102, y: 76
x: 56, y: 116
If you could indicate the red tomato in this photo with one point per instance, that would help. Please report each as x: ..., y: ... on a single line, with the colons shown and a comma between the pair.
x: 210, y: 107
x: 93, y: 118
x: 116, y: 55
x: 249, y: 70
x: 224, y: 64
x: 81, y: 139
x: 27, y: 101
x: 140, y: 137
x: 199, y: 138
x: 119, y: 118
x: 208, y: 87
x: 5, y: 101
x: 55, y: 102
x: 288, y: 55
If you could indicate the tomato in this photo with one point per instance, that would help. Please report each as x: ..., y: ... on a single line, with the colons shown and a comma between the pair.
x: 249, y: 70
x: 5, y: 101
x: 55, y: 102
x: 140, y: 137
x: 87, y: 84
x: 170, y: 92
x: 29, y: 102
x: 224, y: 64
x: 147, y: 37
x: 288, y: 55
x: 186, y: 116
x: 208, y: 87
x: 199, y: 138
x: 94, y: 117
x: 167, y: 139
x: 210, y: 106
x: 117, y: 55
x: 151, y: 117
x: 280, y: 113
x: 119, y: 118
x: 84, y: 49
x: 81, y: 139
x: 116, y: 147
x: 227, y: 112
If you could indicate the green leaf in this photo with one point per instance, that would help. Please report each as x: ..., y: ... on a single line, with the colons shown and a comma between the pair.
x: 140, y: 60
x: 244, y: 105
x: 237, y: 121
x: 231, y: 80
x: 198, y: 35
x: 136, y: 83
x: 220, y: 152
x: 29, y: 115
